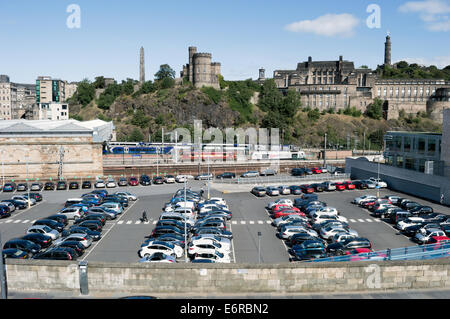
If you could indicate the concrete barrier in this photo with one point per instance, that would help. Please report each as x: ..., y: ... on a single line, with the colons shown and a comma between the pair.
x: 116, y: 279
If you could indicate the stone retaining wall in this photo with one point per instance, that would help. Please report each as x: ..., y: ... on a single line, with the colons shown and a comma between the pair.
x: 109, y: 280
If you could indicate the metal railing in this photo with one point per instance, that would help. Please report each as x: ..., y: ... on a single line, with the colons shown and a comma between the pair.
x: 280, y: 179
x: 432, y: 251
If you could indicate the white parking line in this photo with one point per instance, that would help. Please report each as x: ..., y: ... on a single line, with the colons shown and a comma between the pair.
x: 234, y: 222
x: 243, y: 222
x: 260, y: 222
x: 377, y: 220
x: 268, y: 221
x: 17, y: 221
x: 352, y: 220
x: 129, y: 222
x: 8, y: 221
x: 137, y: 222
x: 369, y: 220
x: 25, y: 221
x: 361, y: 220
x: 252, y: 222
x: 120, y: 222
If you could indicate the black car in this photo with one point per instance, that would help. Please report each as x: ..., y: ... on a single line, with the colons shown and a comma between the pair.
x: 24, y: 245
x: 162, y: 230
x: 50, y: 223
x: 15, y: 253
x: 226, y: 175
x: 347, y: 245
x: 90, y: 217
x: 300, y: 238
x: 36, y: 196
x: 60, y: 218
x: 298, y: 172
x: 145, y: 180
x: 42, y: 240
x: 310, y: 249
x: 4, y: 212
x: 75, y: 229
x: 86, y: 185
x: 123, y: 201
x: 158, y: 180
x: 75, y: 245
x: 421, y: 210
x: 318, y: 188
x: 94, y: 225
x: 49, y: 186
x: 360, y: 185
x: 58, y: 253
x: 61, y: 185
x: 74, y: 185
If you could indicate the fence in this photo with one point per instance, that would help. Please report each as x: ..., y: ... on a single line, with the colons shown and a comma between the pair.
x: 280, y: 179
x: 432, y: 251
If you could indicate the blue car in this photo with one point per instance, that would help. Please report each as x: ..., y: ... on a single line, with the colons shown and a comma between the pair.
x: 9, y: 187
x: 4, y: 212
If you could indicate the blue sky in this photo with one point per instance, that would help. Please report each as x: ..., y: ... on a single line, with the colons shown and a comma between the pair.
x: 243, y: 35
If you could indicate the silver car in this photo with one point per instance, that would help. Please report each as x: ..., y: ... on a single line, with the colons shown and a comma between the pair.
x: 45, y: 230
x: 84, y: 239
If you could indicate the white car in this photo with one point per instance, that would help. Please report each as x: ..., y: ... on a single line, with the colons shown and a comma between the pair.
x: 31, y: 201
x: 177, y: 216
x: 181, y: 178
x: 329, y: 232
x: 216, y: 257
x: 289, y: 231
x: 218, y: 200
x: 281, y: 201
x: 323, y: 211
x: 127, y: 195
x: 84, y: 239
x: 100, y: 184
x: 169, y: 179
x: 342, y: 236
x: 272, y: 191
x: 72, y: 213
x: 284, y: 190
x: 45, y: 230
x: 322, y: 218
x: 358, y: 200
x: 370, y: 184
x: 158, y: 258
x: 160, y: 247
x: 410, y: 221
x: 208, y: 238
x: 425, y: 235
x: 206, y: 248
x: 378, y: 182
x: 110, y: 183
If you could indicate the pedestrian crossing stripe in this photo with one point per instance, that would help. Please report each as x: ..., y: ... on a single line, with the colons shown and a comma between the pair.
x: 252, y: 222
x: 369, y: 220
x: 129, y: 222
x: 25, y: 221
x: 120, y: 222
x: 242, y: 222
x: 260, y: 222
x: 352, y: 220
x: 361, y: 220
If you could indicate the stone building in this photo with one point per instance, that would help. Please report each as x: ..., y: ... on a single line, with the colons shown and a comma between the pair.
x: 338, y: 84
x: 200, y: 71
x: 38, y: 146
x: 16, y: 100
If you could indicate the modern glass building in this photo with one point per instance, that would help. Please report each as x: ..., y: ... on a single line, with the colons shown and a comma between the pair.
x: 415, y: 151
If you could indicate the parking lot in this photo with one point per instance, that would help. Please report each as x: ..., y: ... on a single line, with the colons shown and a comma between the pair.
x: 122, y: 237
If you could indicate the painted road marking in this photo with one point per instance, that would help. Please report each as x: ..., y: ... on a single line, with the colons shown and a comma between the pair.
x: 369, y: 220
x: 352, y: 220
x: 129, y: 222
x: 120, y: 222
x: 25, y: 221
x: 361, y: 220
x: 260, y: 222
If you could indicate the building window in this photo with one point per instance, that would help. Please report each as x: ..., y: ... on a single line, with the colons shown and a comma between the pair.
x: 431, y: 147
x: 421, y: 145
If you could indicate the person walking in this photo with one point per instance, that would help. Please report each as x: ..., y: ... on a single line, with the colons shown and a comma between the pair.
x: 144, y: 216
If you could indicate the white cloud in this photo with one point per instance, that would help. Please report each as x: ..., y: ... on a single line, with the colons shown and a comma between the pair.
x: 327, y: 25
x: 432, y: 12
x: 440, y: 61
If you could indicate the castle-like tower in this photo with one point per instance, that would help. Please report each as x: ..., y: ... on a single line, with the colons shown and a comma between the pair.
x: 387, y: 51
x: 201, y: 71
x: 142, y: 67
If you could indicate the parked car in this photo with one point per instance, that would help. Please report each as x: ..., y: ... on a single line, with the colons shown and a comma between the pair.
x: 36, y: 187
x: 86, y: 185
x: 250, y: 174
x: 318, y: 188
x: 22, y: 187
x: 25, y: 245
x: 329, y: 186
x: 49, y: 186
x: 259, y: 191
x: 160, y: 247
x: 349, y: 185
x: 84, y: 239
x: 122, y: 182
x: 96, y: 235
x: 15, y: 253
x: 100, y: 184
x: 268, y: 172
x: 308, y: 250
x: 340, y: 186
x: 360, y: 185
x: 158, y: 180
x: 298, y: 172
x: 61, y: 185
x: 316, y: 170
x: 133, y: 181
x: 42, y: 240
x: 50, y: 223
x: 59, y: 218
x: 57, y: 253
x: 74, y: 185
x: 295, y: 190
x: 145, y: 180
x: 169, y: 179
x: 203, y: 177
x: 272, y: 191
x: 36, y: 196
x: 111, y: 183
x: 226, y: 175
x: 9, y: 187
x: 44, y: 230
x: 352, y: 243
x: 4, y: 212
x: 158, y: 258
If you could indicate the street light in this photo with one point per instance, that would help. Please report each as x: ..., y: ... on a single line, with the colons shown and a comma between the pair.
x: 259, y: 247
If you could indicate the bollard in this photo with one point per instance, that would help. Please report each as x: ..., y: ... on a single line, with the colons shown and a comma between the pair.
x: 84, y: 286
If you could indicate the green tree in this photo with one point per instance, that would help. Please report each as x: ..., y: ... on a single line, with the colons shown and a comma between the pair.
x: 140, y: 119
x: 135, y: 136
x: 85, y: 93
x: 165, y: 71
x: 99, y: 82
x: 270, y: 98
x: 375, y: 110
x: 214, y: 95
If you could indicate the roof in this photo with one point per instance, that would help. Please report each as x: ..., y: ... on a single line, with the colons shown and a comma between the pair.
x: 42, y: 126
x: 412, y: 133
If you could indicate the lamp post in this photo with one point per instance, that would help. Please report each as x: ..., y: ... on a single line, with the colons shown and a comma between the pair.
x: 325, y: 152
x: 259, y: 247
x: 3, y: 171
x: 28, y: 188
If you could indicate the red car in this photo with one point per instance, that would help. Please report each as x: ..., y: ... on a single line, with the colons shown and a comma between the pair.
x: 278, y: 208
x: 133, y: 181
x: 289, y: 211
x: 358, y: 251
x: 316, y: 170
x: 307, y: 189
x: 340, y: 186
x: 349, y: 185
x: 439, y: 240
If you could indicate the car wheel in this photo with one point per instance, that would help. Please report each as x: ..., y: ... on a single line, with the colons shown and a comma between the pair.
x: 146, y: 255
